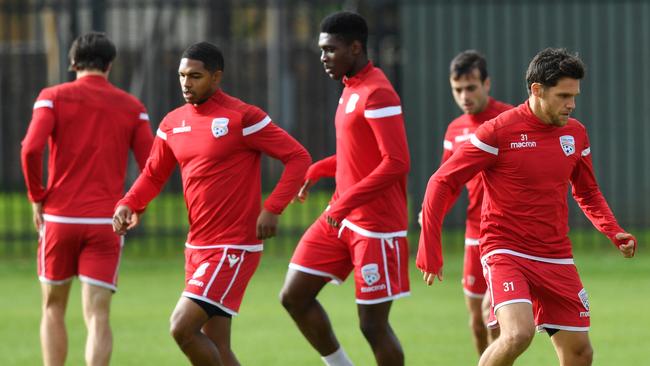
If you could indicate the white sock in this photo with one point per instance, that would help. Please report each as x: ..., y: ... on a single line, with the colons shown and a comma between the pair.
x: 338, y: 358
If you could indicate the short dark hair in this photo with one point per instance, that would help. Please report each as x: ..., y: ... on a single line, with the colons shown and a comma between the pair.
x: 552, y: 64
x: 465, y: 62
x: 208, y: 53
x: 348, y: 26
x: 92, y: 51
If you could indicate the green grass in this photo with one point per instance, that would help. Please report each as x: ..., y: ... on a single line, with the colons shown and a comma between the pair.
x: 431, y: 324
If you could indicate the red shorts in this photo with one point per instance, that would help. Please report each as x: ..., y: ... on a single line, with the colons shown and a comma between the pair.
x: 474, y: 284
x: 219, y: 276
x: 379, y: 260
x: 84, y: 247
x: 555, y: 291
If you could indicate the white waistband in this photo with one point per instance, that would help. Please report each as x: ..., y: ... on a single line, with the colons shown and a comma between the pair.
x: 78, y: 220
x: 368, y: 233
x: 528, y: 256
x: 246, y: 247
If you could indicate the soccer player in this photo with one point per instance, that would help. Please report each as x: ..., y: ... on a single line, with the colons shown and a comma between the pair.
x: 90, y: 125
x: 470, y: 86
x: 217, y: 140
x: 527, y: 157
x: 364, y: 228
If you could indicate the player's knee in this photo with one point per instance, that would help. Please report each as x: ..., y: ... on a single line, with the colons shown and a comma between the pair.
x: 583, y: 356
x: 518, y: 340
x: 290, y: 301
x: 373, y: 330
x: 181, y: 333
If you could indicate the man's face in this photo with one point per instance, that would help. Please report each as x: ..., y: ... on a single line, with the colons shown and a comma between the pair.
x: 470, y: 93
x: 197, y: 83
x: 337, y: 56
x: 557, y: 102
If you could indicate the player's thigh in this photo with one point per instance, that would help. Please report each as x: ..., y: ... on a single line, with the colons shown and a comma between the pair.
x: 322, y: 253
x: 380, y: 268
x: 219, y: 276
x: 568, y: 344
x: 58, y: 252
x: 95, y: 300
x: 99, y: 258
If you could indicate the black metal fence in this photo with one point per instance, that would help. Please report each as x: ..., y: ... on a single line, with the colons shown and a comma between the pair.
x: 272, y: 61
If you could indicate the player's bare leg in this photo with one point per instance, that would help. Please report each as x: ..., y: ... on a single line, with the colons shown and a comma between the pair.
x: 54, y: 337
x: 186, y: 322
x: 492, y: 333
x: 517, y: 330
x: 573, y: 348
x: 218, y: 330
x: 298, y: 296
x: 477, y: 322
x: 96, y: 302
x: 373, y: 320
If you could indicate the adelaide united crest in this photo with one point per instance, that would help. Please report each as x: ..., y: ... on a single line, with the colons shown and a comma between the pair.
x: 568, y: 144
x: 220, y: 127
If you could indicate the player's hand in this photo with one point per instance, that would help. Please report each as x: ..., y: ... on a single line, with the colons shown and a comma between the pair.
x: 420, y: 218
x: 628, y: 246
x: 331, y: 222
x: 124, y: 219
x: 267, y: 224
x: 304, y: 191
x: 37, y: 215
x: 429, y: 277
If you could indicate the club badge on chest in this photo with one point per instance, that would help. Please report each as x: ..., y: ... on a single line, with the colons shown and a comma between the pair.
x: 220, y: 127
x: 568, y: 144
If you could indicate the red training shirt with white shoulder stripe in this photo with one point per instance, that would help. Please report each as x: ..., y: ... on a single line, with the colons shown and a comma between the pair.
x: 526, y: 167
x: 372, y: 157
x: 218, y: 146
x: 90, y: 125
x: 459, y: 131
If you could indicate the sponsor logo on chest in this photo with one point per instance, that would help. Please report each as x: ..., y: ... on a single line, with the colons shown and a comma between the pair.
x: 523, y: 142
x: 183, y: 128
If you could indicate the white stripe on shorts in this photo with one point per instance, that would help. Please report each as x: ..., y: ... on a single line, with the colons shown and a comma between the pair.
x: 214, y: 274
x: 234, y: 276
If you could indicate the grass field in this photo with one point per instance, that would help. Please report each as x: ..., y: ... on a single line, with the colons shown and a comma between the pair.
x: 430, y: 323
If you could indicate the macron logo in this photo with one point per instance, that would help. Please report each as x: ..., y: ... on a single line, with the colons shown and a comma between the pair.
x: 522, y: 144
x: 232, y: 259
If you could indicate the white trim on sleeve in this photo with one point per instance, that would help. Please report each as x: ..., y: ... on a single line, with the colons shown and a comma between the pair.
x: 471, y: 241
x: 257, y: 126
x: 383, y: 112
x: 44, y: 103
x: 447, y: 145
x: 161, y: 134
x: 483, y: 146
x: 144, y: 116
x: 586, y: 151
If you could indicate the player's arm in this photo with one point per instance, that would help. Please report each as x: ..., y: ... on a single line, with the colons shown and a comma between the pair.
x: 31, y: 154
x: 442, y: 189
x: 384, y: 115
x: 586, y: 192
x: 277, y: 143
x: 142, y: 139
x: 324, y: 168
x: 158, y: 168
